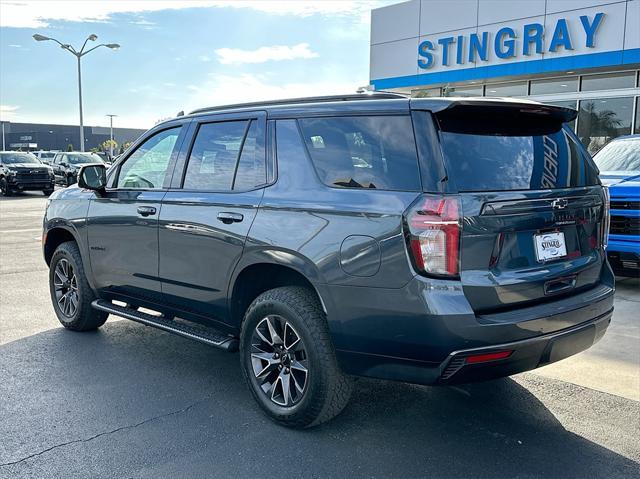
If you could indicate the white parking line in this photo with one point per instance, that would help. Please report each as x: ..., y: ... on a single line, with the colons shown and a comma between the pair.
x: 27, y: 230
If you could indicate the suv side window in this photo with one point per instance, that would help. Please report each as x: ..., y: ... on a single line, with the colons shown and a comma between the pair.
x: 251, y: 167
x: 364, y: 151
x: 224, y: 157
x: 147, y: 167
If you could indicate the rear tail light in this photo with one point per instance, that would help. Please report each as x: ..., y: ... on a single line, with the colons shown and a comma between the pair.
x: 606, y: 218
x: 433, y: 235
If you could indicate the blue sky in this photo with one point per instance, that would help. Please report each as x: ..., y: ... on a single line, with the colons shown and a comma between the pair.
x: 176, y: 56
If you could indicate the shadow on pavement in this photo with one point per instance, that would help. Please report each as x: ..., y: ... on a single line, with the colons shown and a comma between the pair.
x: 132, y: 401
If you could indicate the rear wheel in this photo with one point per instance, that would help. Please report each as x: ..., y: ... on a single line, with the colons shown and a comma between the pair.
x: 288, y: 359
x: 71, y: 294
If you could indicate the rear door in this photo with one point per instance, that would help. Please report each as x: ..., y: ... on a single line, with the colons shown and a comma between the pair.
x: 531, y: 201
x: 207, y: 213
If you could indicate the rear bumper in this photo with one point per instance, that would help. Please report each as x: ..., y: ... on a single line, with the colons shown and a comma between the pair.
x: 415, y: 333
x: 524, y: 355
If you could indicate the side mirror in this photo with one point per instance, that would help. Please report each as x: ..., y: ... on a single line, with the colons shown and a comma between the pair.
x: 93, y: 177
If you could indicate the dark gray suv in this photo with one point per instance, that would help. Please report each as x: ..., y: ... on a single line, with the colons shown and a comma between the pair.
x: 433, y: 241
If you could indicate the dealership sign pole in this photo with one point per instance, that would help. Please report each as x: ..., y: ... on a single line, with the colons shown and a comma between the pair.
x: 78, y: 54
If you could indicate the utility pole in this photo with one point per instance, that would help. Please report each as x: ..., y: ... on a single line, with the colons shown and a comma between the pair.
x: 111, y: 136
x: 78, y: 54
x: 4, y: 147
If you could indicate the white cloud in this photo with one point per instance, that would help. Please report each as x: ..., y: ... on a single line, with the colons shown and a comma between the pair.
x: 228, y: 56
x: 8, y: 112
x: 204, y: 58
x: 39, y: 14
x: 15, y: 46
x: 227, y: 89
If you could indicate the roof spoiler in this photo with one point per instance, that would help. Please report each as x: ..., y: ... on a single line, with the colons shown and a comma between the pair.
x: 496, y: 106
x: 501, y: 117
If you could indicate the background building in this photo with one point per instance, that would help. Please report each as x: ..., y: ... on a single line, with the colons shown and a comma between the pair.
x: 36, y: 136
x: 584, y: 54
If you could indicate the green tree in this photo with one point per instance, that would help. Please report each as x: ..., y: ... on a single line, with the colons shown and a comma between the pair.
x: 106, y: 145
x: 69, y: 147
x: 124, y: 146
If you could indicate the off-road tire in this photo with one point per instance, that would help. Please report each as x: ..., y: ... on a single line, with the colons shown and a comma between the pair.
x: 85, y: 317
x: 328, y: 389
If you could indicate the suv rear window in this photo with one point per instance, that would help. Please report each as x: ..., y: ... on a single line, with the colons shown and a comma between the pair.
x: 363, y: 152
x: 495, y: 162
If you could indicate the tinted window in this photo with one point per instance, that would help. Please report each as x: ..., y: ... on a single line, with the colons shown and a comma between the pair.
x: 602, y: 120
x: 82, y: 158
x: 214, y: 157
x: 620, y: 155
x: 251, y: 167
x: 147, y: 167
x: 363, y: 152
x: 554, y: 85
x: 462, y: 90
x: 497, y: 162
x: 608, y: 81
x: 507, y: 89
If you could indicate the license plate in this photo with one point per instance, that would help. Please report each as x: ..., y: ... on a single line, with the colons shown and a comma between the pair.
x: 550, y: 246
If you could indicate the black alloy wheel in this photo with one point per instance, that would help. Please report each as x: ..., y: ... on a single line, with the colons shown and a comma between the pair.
x: 4, y: 187
x: 65, y: 286
x: 70, y: 292
x: 279, y: 360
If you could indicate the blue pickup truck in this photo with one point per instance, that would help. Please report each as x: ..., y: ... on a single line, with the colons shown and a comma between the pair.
x: 619, y: 164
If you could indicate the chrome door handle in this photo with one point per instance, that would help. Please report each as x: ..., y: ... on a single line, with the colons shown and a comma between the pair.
x: 146, y: 210
x: 228, y: 218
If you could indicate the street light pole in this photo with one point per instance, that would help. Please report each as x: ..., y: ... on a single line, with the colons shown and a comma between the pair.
x: 80, y: 104
x: 4, y: 147
x: 78, y: 54
x: 111, y: 136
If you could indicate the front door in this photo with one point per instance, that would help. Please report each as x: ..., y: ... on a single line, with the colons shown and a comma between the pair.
x: 205, y: 220
x: 123, y: 222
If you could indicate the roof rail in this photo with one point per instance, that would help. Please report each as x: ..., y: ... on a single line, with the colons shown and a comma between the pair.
x: 310, y: 99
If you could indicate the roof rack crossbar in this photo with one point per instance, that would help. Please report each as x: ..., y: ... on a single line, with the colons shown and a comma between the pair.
x: 312, y: 99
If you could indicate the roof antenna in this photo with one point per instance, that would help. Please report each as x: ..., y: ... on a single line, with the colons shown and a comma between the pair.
x: 180, y: 113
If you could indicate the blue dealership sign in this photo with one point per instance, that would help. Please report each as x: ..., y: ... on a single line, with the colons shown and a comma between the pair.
x: 474, y: 48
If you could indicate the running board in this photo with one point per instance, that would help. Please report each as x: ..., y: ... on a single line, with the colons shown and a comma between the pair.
x: 202, y: 334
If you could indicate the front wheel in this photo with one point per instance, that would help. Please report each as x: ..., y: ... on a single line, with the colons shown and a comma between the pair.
x: 47, y: 192
x: 70, y: 180
x: 288, y: 359
x: 4, y: 187
x: 71, y: 294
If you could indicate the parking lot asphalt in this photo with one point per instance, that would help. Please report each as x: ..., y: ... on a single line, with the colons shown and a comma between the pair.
x: 131, y: 401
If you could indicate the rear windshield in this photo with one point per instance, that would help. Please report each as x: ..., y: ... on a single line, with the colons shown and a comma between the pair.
x: 485, y: 162
x: 376, y: 152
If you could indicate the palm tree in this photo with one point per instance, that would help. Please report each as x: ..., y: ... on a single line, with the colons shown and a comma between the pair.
x: 597, y: 124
